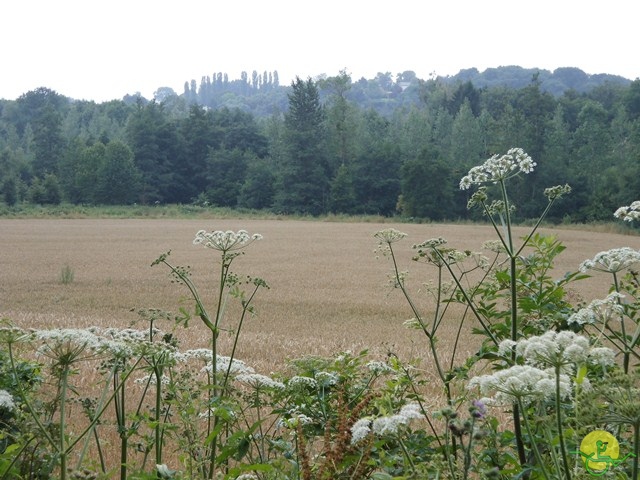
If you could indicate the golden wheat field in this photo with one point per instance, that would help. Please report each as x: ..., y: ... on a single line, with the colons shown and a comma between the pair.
x: 328, y: 291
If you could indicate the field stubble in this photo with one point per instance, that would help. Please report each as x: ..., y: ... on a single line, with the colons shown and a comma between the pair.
x: 329, y: 292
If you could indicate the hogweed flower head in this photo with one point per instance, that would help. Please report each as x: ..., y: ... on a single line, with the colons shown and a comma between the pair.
x: 557, y: 349
x: 523, y: 382
x: 225, y: 241
x: 553, y: 193
x: 387, y: 425
x: 294, y: 420
x: 259, y: 381
x: 385, y: 238
x: 629, y: 213
x: 612, y: 261
x: 360, y: 430
x: 222, y: 364
x: 299, y: 382
x: 498, y: 168
x: 378, y: 368
x: 389, y: 235
x: 598, y: 311
x: 553, y: 349
x: 6, y: 401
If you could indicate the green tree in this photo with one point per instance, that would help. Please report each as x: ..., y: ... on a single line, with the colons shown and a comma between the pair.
x: 117, y: 177
x: 303, y: 181
x: 340, y: 121
x: 593, y: 157
x: 376, y: 171
x: 79, y: 171
x: 632, y: 100
x: 537, y: 108
x: 155, y: 144
x: 49, y: 143
x: 199, y: 135
x: 258, y: 189
x: 225, y: 175
x: 467, y: 147
x: 10, y: 191
x: 427, y: 188
x: 46, y: 191
x: 342, y: 196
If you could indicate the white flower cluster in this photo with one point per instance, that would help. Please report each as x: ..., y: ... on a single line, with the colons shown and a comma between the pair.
x: 431, y: 243
x: 612, y: 261
x: 562, y: 348
x: 6, y: 401
x: 225, y: 241
x: 521, y: 382
x: 598, y: 311
x: 629, y: 213
x: 247, y: 476
x: 326, y: 379
x: 257, y: 381
x: 222, y: 365
x: 378, y: 368
x: 125, y: 342
x: 118, y: 343
x: 389, y: 235
x: 75, y: 336
x: 152, y: 380
x: 203, y: 354
x: 294, y: 420
x: 388, y: 425
x: 495, y: 246
x: 164, y: 472
x: 498, y: 167
x: 302, y: 383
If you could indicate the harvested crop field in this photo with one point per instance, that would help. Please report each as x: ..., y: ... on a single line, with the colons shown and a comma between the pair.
x: 328, y: 291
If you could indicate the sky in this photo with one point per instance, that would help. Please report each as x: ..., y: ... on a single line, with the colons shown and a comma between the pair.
x: 103, y: 50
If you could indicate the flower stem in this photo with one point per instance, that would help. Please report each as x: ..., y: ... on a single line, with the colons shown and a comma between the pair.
x: 63, y: 400
x: 563, y: 446
x: 636, y: 451
x: 534, y: 445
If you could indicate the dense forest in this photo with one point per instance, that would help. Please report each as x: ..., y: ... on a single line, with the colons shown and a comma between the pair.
x: 392, y: 145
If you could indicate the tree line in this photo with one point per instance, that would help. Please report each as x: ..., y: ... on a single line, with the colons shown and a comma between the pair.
x: 325, y: 146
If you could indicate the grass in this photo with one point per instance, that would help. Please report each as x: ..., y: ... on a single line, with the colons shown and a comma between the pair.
x: 67, y: 275
x: 328, y: 291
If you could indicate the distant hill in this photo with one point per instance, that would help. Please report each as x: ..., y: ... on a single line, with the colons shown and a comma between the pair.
x: 263, y: 95
x: 556, y: 82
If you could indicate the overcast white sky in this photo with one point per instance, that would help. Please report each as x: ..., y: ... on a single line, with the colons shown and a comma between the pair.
x: 101, y: 50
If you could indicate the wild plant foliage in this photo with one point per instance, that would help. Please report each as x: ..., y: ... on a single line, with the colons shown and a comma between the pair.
x: 547, y: 374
